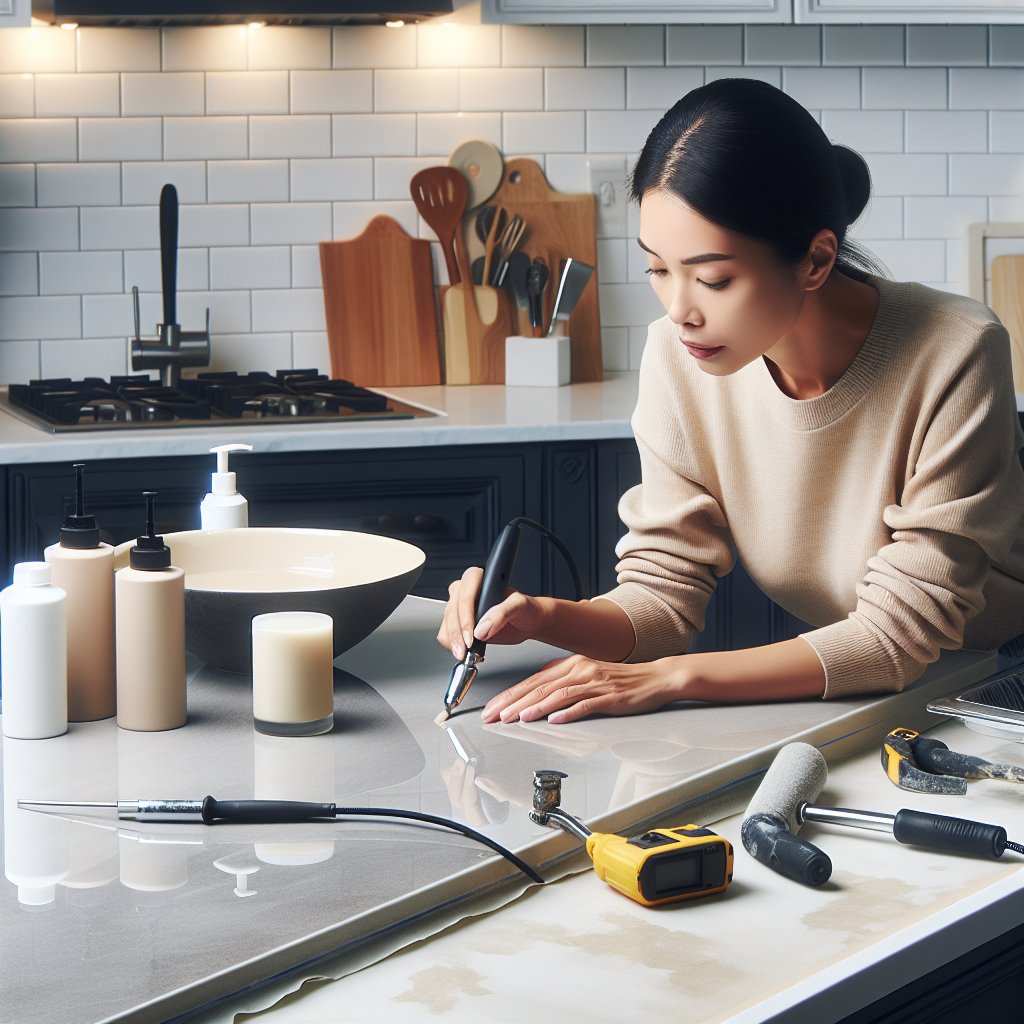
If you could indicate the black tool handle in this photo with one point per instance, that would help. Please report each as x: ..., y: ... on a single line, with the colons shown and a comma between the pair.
x: 918, y: 828
x: 498, y: 570
x: 169, y: 251
x: 264, y: 812
x: 767, y: 841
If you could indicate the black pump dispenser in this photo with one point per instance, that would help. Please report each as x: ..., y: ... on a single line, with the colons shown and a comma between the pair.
x: 79, y: 530
x: 150, y: 551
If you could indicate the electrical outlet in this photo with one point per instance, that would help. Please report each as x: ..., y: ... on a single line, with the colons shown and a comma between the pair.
x: 608, y: 183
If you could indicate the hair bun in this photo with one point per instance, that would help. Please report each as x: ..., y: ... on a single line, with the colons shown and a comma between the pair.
x: 856, y: 181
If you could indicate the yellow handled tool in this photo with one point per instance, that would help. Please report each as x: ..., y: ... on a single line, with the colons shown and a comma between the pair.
x: 664, y: 865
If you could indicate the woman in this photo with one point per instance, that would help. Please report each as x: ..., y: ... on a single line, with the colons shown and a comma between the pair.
x: 854, y: 441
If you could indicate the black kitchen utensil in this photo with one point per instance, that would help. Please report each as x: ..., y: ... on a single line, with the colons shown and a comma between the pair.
x: 536, y: 281
x: 169, y: 251
x: 478, y: 270
x: 518, y: 268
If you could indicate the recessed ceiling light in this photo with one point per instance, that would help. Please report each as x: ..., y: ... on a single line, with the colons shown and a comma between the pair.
x: 69, y: 26
x: 253, y: 25
x: 395, y: 24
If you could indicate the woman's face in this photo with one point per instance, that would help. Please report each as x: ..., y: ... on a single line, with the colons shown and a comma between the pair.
x: 728, y: 295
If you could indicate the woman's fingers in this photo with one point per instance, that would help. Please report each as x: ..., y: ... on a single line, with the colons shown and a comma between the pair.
x: 552, y: 670
x: 515, y: 610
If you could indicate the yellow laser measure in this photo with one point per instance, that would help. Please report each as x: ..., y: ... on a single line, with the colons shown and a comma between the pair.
x: 665, y: 865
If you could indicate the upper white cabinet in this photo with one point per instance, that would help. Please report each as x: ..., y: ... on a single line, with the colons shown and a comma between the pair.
x: 910, y: 12
x: 707, y: 12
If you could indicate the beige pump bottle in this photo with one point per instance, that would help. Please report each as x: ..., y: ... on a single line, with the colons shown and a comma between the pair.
x: 83, y: 567
x: 150, y: 601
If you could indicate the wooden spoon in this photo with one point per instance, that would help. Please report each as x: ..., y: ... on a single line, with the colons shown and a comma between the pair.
x: 440, y: 197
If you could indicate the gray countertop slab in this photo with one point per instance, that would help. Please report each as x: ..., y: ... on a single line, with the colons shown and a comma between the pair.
x: 145, y: 925
x: 476, y: 414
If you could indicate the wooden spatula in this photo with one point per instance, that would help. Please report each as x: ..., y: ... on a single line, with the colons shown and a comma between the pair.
x: 440, y: 196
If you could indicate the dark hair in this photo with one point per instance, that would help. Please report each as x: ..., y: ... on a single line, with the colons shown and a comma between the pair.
x: 749, y: 158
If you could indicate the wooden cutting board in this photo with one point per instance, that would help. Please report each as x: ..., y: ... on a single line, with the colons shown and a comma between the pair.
x: 1008, y: 303
x: 559, y: 224
x: 379, y: 299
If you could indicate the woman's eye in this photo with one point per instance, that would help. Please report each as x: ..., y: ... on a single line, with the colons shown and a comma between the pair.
x: 656, y: 271
x: 715, y: 286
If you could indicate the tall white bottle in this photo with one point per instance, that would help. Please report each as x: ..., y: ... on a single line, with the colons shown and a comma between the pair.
x: 33, y: 655
x: 224, y: 508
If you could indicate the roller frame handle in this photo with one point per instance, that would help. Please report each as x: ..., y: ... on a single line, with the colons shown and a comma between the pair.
x: 169, y: 251
x: 264, y: 812
x: 957, y: 835
x: 766, y: 839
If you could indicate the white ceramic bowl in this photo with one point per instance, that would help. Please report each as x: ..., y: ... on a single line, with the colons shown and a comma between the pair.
x: 232, y: 575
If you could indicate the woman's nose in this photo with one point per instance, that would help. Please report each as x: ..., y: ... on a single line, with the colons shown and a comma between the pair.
x: 681, y: 309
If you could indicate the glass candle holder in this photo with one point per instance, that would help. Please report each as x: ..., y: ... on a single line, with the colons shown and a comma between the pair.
x: 293, y: 673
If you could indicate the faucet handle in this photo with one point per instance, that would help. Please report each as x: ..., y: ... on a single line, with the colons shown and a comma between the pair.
x: 138, y: 319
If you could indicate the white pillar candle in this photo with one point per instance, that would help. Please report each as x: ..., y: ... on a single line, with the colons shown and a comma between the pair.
x: 293, y: 673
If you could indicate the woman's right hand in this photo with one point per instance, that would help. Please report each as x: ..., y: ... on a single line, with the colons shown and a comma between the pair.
x: 516, y: 619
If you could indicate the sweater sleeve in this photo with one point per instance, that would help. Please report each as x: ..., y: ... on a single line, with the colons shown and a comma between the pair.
x: 960, y: 510
x: 677, y: 542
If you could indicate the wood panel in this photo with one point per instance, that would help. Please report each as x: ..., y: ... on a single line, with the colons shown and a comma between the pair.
x: 1008, y: 303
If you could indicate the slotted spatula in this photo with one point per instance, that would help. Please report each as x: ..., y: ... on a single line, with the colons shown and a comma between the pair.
x: 440, y: 197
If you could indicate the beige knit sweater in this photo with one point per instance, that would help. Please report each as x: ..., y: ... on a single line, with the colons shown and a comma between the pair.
x: 888, y: 512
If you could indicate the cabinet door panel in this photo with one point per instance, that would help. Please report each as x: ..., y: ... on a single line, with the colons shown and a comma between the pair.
x: 709, y: 12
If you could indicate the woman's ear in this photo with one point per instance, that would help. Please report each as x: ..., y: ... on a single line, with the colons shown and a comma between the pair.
x: 820, y: 259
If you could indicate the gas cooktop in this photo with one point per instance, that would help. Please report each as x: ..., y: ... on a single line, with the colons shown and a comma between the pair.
x: 209, y: 399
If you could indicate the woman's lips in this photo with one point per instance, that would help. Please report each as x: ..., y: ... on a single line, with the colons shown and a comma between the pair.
x: 701, y: 351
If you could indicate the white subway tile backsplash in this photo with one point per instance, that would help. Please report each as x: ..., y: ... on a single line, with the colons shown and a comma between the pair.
x: 992, y: 174
x: 1006, y: 46
x: 904, y: 88
x: 947, y: 131
x: 542, y: 46
x: 141, y: 182
x: 419, y: 91
x: 585, y: 89
x: 19, y: 362
x: 625, y: 304
x: 906, y: 174
x: 611, y: 260
x: 111, y: 316
x: 986, y: 88
x: 78, y: 95
x: 213, y: 224
x: 158, y: 93
x: 118, y: 49
x: 24, y: 140
x: 828, y: 88
x: 392, y: 175
x: 1007, y: 131
x: 286, y: 48
x: 618, y: 45
x: 374, y: 46
x: 80, y: 273
x: 316, y: 180
x: 439, y: 134
x: 19, y: 273
x: 568, y: 172
x: 882, y: 219
x: 374, y: 134
x: 615, y: 348
x: 660, y: 88
x: 247, y: 92
x: 501, y: 89
x: 37, y: 50
x: 773, y: 76
x: 17, y: 185
x: 142, y: 268
x: 205, y: 138
x: 947, y: 45
x: 867, y: 131
x: 702, y: 45
x: 331, y: 92
x: 862, y: 45
x: 943, y: 217
x: 458, y: 46
x: 294, y: 309
x: 35, y: 230
x: 210, y: 48
x: 250, y: 267
x: 309, y: 350
x: 291, y: 223
x: 350, y: 219
x: 912, y: 259
x: 290, y: 136
x: 616, y: 131
x: 549, y: 132
x: 17, y: 95
x: 306, y: 266
x: 782, y: 44
x: 40, y: 317
x: 77, y: 358
x: 229, y: 311
x: 636, y: 265
x: 118, y: 227
x: 79, y: 184
x: 247, y: 181
x: 119, y: 138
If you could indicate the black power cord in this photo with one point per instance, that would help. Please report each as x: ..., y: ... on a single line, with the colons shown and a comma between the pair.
x: 560, y: 547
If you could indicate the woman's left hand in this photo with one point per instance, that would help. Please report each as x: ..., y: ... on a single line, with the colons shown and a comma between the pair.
x: 574, y: 687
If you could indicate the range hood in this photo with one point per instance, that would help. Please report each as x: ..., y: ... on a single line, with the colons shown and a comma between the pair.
x: 219, y: 12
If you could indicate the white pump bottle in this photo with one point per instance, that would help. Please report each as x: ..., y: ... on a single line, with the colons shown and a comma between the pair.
x: 224, y: 508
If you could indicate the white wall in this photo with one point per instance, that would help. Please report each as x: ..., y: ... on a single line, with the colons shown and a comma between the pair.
x: 278, y: 138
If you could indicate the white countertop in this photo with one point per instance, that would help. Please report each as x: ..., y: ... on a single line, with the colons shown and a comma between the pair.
x: 475, y: 414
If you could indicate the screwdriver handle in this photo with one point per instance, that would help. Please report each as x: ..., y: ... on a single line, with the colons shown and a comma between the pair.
x: 264, y: 812
x: 918, y: 828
